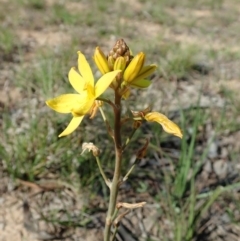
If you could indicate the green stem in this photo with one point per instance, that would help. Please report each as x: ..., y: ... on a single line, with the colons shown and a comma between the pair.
x: 109, y: 129
x: 114, y: 233
x: 129, y: 138
x: 117, y: 171
x: 129, y: 172
x: 102, y: 172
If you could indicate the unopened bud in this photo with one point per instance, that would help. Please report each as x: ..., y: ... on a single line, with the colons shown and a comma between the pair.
x: 120, y: 49
x: 120, y: 63
x: 101, y: 61
x: 110, y: 62
x: 134, y: 67
x: 145, y: 72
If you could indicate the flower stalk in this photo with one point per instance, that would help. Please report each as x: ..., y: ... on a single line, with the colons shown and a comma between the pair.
x: 120, y: 71
x: 117, y: 171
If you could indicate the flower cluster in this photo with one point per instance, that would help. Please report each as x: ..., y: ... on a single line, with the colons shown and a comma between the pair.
x: 134, y: 72
x: 120, y: 71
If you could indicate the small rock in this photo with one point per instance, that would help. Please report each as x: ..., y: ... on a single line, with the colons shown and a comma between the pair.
x: 220, y: 167
x: 207, y: 166
x: 2, y: 225
x: 212, y: 153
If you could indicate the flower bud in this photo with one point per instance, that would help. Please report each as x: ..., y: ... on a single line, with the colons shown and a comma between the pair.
x: 134, y: 67
x: 120, y: 63
x: 101, y: 61
x: 145, y: 72
x: 110, y: 62
x: 119, y: 49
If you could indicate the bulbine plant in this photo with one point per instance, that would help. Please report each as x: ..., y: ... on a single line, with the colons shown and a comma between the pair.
x: 121, y: 71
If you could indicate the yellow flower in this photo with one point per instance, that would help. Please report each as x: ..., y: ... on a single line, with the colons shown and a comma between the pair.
x: 169, y: 126
x: 80, y: 104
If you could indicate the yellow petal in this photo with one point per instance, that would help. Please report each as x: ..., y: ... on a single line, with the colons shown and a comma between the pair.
x: 76, y: 80
x: 72, y: 126
x: 84, y: 69
x: 104, y: 82
x: 83, y: 107
x: 65, y: 103
x: 169, y: 126
x: 145, y: 71
x: 141, y: 83
x: 101, y: 61
x: 134, y: 67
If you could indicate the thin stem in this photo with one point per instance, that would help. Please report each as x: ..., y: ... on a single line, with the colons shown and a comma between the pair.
x: 117, y: 171
x: 103, y: 114
x: 107, y: 101
x: 117, y: 220
x: 129, y: 138
x: 109, y: 129
x: 114, y: 233
x: 102, y: 172
x: 129, y: 172
x: 115, y: 224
